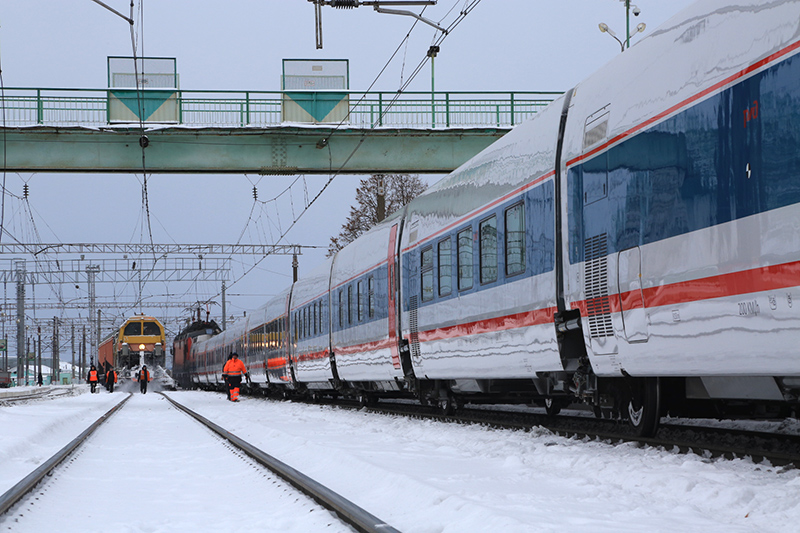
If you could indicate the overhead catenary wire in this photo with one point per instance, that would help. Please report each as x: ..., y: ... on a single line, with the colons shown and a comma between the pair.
x: 468, y: 8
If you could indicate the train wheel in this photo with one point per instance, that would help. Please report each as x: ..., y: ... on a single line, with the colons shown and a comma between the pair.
x: 447, y: 405
x: 365, y: 400
x: 644, y: 407
x: 551, y: 406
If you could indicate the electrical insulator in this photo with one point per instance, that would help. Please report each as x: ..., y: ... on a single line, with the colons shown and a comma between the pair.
x: 25, y: 191
x: 255, y: 193
x: 344, y: 4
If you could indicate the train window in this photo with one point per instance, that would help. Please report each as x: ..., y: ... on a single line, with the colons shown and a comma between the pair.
x: 341, y: 309
x: 371, y: 295
x: 133, y: 328
x: 445, y: 267
x: 360, y: 297
x: 151, y: 328
x: 320, y: 328
x: 315, y: 318
x: 488, y: 249
x: 515, y: 240
x: 465, y: 268
x: 351, y: 308
x: 427, y: 274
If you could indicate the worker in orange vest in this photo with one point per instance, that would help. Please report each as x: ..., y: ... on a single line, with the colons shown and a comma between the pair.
x: 111, y: 378
x: 92, y: 378
x: 225, y: 376
x: 144, y: 379
x: 234, y: 369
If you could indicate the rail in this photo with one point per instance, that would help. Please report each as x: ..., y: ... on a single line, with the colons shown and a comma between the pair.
x: 23, y: 106
x: 18, y: 491
x: 357, y: 517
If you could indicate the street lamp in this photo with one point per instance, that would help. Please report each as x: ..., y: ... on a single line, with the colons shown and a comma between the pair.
x: 639, y: 27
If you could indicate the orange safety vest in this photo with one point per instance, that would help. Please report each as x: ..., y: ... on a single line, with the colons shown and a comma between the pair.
x: 144, y: 375
x: 234, y: 367
x: 93, y: 375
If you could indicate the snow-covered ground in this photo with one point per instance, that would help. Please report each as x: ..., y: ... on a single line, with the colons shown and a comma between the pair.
x: 419, y: 476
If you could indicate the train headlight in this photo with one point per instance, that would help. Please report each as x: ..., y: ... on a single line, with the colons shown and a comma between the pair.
x: 141, y: 347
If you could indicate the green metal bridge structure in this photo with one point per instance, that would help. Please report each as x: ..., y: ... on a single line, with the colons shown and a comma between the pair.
x: 247, y: 132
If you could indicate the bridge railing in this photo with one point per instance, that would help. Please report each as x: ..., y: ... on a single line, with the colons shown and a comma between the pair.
x: 226, y: 109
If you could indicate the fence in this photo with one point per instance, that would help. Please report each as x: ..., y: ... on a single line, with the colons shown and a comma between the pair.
x: 227, y: 109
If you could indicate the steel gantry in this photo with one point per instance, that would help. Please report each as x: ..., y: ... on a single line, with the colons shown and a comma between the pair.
x: 158, y: 250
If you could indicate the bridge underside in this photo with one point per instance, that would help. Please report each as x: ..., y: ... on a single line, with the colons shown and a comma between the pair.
x: 274, y: 150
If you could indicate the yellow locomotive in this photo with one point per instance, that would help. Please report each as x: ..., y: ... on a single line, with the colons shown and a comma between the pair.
x: 139, y: 341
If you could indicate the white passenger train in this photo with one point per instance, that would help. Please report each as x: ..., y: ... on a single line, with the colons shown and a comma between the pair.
x: 634, y: 247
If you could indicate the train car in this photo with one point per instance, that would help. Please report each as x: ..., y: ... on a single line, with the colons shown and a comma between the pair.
x: 140, y: 341
x: 634, y: 247
x: 309, y: 314
x: 280, y: 370
x: 364, y: 333
x: 182, y: 344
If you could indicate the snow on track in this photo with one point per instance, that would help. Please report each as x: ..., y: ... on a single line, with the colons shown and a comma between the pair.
x: 32, y: 432
x: 423, y: 476
x: 152, y: 468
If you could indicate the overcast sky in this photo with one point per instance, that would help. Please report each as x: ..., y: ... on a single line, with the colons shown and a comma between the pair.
x: 503, y: 45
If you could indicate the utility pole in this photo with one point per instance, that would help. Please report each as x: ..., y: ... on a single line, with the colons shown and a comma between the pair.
x: 39, y: 373
x: 22, y: 354
x: 72, y: 327
x: 83, y: 354
x: 27, y: 358
x: 56, y: 359
x: 91, y: 272
x: 224, y: 319
x: 97, y: 351
x: 432, y: 51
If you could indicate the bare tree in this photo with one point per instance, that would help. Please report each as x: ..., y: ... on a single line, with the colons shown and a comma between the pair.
x: 399, y: 190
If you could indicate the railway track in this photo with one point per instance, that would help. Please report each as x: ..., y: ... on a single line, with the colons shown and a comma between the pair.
x: 712, y: 440
x: 150, y: 466
x: 10, y: 397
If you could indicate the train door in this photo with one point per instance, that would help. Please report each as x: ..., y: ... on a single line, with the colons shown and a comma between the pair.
x: 392, y: 300
x: 631, y: 300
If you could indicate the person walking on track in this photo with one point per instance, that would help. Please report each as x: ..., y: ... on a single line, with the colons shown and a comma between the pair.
x: 225, y: 376
x: 111, y: 378
x: 92, y: 378
x: 144, y: 379
x: 234, y: 369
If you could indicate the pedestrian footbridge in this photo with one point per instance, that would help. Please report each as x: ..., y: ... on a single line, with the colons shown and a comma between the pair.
x: 253, y: 132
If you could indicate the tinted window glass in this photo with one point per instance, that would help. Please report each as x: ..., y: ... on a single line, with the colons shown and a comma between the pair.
x: 488, y: 254
x: 445, y: 268
x: 427, y: 274
x: 360, y: 297
x: 465, y: 270
x: 371, y: 289
x: 515, y: 240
